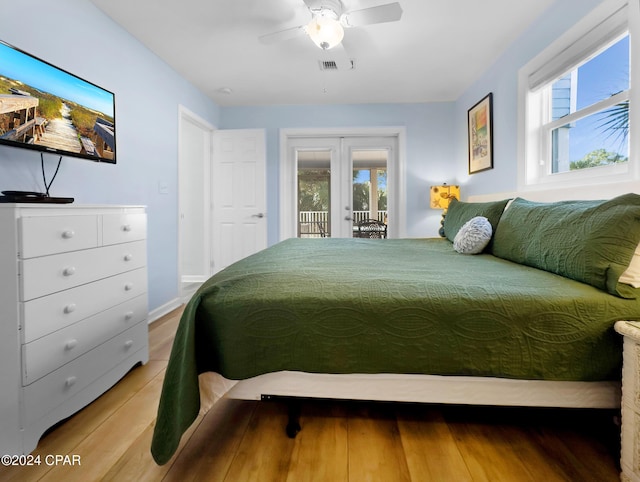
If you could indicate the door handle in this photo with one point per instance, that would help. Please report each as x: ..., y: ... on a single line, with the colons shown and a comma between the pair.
x: 259, y: 215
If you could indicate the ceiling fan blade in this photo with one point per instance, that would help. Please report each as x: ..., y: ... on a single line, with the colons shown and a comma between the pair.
x: 311, y: 3
x: 391, y: 12
x: 282, y: 35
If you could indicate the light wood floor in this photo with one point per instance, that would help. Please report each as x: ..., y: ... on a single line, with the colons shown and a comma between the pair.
x: 340, y: 441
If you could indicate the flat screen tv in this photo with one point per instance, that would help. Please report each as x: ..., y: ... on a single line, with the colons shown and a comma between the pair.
x: 48, y: 109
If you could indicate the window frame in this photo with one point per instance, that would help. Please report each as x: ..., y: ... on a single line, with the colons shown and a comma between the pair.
x: 534, y: 103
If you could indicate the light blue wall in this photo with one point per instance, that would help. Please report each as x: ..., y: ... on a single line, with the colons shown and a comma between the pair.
x: 502, y: 79
x: 76, y: 36
x: 429, y: 149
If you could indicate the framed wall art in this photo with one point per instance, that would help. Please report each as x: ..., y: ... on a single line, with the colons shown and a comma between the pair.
x: 480, y: 128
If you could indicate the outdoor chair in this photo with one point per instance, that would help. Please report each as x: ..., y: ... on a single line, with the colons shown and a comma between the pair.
x: 371, y: 228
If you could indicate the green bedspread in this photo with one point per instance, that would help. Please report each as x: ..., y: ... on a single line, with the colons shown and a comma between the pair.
x: 386, y: 306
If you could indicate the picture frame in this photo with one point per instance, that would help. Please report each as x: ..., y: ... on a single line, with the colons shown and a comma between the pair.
x: 480, y: 131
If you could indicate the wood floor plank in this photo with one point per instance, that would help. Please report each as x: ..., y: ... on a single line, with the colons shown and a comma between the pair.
x: 321, y: 450
x: 430, y: 449
x: 264, y: 454
x: 484, y: 459
x: 375, y: 446
x: 535, y: 466
x: 137, y: 463
x: 212, y: 447
x: 499, y: 443
x: 585, y: 445
x: 161, y: 335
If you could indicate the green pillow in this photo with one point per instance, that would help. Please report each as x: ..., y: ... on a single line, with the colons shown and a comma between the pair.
x: 459, y: 213
x: 588, y: 241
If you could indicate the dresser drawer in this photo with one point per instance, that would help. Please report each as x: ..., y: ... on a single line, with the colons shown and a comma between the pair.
x: 50, y: 352
x: 122, y: 228
x: 54, y: 389
x: 40, y: 236
x: 54, y: 312
x: 51, y: 274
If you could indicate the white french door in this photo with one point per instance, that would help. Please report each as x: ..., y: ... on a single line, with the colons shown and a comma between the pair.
x: 329, y: 183
x: 322, y: 204
x: 370, y: 159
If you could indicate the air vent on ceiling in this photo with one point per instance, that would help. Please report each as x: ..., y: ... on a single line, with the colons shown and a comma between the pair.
x: 333, y: 65
x: 328, y: 65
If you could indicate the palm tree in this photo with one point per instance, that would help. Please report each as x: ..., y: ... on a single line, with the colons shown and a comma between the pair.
x: 615, y: 121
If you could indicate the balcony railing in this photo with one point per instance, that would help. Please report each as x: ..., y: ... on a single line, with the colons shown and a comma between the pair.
x: 315, y: 224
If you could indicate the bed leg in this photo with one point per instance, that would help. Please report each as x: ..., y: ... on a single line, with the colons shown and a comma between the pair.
x: 293, y: 425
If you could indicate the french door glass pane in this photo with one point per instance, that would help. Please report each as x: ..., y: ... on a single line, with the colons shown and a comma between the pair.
x: 369, y: 185
x: 314, y: 194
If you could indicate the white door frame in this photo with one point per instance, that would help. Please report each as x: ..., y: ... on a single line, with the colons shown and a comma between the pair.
x: 397, y: 202
x: 183, y: 114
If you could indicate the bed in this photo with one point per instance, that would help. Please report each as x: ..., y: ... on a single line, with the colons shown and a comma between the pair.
x: 528, y: 321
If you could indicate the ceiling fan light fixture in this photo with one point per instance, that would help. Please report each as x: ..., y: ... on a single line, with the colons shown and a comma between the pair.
x: 325, y: 29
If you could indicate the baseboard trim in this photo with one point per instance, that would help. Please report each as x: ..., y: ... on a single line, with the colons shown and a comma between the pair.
x: 160, y: 311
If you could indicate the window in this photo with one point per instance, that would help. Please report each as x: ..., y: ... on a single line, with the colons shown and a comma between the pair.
x: 576, y: 100
x: 588, y: 125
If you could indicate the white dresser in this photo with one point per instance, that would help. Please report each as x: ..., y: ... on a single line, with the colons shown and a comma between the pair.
x: 73, y: 311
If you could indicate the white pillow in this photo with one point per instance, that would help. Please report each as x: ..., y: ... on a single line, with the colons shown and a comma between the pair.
x: 631, y: 276
x: 473, y: 236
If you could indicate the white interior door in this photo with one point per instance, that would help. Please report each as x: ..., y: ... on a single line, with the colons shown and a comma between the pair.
x: 239, y: 195
x: 194, y: 169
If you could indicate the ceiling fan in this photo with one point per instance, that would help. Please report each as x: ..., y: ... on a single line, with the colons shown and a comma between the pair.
x: 330, y: 18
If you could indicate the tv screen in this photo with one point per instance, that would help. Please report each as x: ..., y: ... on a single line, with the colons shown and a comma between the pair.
x: 48, y: 109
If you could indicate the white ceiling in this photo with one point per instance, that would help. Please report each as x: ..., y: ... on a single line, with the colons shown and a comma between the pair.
x: 435, y: 52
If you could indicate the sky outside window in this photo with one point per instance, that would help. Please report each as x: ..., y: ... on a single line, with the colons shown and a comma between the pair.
x: 604, y: 75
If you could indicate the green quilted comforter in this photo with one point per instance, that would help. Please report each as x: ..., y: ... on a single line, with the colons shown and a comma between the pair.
x: 386, y: 306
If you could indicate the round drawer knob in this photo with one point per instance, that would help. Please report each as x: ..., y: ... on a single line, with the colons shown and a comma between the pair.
x: 71, y: 381
x: 128, y: 344
x: 128, y: 286
x: 68, y: 234
x: 128, y: 257
x: 70, y: 308
x: 126, y: 227
x: 71, y: 344
x: 128, y: 315
x: 69, y: 271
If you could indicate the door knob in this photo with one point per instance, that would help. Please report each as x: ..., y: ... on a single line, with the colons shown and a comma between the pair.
x: 259, y: 215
